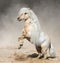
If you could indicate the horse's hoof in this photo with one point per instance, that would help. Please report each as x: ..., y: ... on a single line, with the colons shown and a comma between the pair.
x: 19, y: 47
x: 41, y: 57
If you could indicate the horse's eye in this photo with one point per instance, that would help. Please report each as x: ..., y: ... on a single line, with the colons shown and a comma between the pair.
x: 25, y: 13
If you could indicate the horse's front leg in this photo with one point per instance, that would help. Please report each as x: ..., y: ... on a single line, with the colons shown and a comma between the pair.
x: 24, y: 35
x: 20, y: 41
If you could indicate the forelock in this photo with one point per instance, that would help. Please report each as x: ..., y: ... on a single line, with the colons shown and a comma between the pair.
x: 24, y: 10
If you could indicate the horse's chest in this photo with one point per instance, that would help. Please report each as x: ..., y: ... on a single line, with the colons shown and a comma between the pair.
x: 27, y: 26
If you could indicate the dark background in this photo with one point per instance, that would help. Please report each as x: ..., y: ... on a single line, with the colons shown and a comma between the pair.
x: 48, y: 12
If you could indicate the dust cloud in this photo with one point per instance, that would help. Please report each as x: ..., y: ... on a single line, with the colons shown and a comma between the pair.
x: 48, y: 12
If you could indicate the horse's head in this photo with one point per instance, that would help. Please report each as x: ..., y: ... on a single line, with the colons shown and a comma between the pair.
x: 23, y: 14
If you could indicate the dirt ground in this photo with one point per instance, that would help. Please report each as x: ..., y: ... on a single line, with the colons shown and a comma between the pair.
x: 27, y: 54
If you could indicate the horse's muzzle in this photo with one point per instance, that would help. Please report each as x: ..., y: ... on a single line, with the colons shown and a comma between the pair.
x: 19, y: 19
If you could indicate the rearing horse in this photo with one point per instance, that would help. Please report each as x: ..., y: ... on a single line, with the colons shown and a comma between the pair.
x: 33, y: 33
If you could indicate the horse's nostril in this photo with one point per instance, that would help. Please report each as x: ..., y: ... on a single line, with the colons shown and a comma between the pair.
x: 19, y: 19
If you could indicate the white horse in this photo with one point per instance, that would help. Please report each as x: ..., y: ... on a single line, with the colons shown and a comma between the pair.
x: 33, y: 33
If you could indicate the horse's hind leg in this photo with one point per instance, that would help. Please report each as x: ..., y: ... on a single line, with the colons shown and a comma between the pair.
x: 44, y: 51
x: 39, y: 50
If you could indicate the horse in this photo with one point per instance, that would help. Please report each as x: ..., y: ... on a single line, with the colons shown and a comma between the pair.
x: 33, y: 33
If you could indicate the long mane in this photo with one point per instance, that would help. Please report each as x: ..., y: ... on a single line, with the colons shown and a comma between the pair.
x: 36, y: 29
x: 35, y: 19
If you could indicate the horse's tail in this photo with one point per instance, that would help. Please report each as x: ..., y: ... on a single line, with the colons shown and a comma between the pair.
x: 51, y: 50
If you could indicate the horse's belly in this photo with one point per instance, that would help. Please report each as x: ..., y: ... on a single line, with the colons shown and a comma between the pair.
x: 43, y: 40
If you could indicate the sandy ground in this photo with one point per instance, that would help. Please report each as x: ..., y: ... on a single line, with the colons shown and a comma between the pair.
x: 27, y: 54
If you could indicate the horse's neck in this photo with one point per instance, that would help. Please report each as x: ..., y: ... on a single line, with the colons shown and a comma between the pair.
x: 27, y: 22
